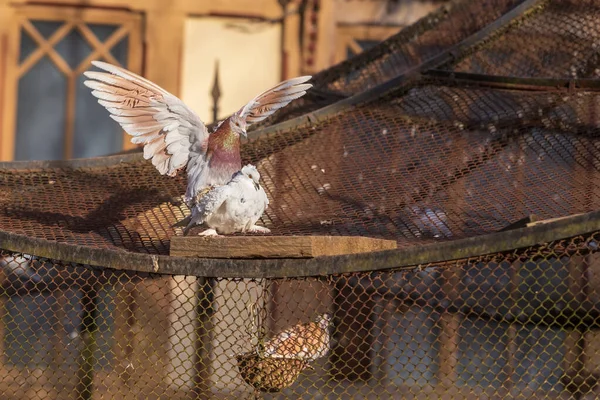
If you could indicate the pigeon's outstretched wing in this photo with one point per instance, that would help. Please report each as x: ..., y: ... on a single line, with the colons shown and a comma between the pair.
x: 172, y: 134
x: 273, y: 99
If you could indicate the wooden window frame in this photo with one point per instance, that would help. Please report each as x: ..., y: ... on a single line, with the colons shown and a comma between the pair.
x: 73, y: 19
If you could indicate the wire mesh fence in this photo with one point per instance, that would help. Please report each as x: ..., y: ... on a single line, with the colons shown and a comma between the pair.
x: 518, y: 324
x: 411, y: 48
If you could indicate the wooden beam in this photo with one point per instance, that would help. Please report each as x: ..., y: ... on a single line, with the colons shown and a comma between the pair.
x: 262, y: 8
x: 292, y: 58
x: 546, y: 221
x: 326, y: 35
x: 9, y: 53
x: 275, y: 246
x: 164, y: 43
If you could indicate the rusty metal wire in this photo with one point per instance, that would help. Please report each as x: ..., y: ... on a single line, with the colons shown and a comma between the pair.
x: 450, y: 158
x: 557, y: 39
x: 412, y: 47
x: 514, y: 324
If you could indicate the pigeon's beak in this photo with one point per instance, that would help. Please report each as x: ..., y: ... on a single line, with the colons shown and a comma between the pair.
x: 244, y: 133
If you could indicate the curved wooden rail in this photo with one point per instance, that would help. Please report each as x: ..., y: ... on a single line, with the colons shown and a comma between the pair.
x: 319, y: 266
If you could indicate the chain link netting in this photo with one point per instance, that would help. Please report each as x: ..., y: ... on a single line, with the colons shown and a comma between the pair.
x: 419, y: 43
x: 519, y: 324
x: 558, y: 39
x: 445, y: 155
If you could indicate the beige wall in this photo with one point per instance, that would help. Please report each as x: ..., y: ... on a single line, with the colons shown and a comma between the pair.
x: 249, y: 57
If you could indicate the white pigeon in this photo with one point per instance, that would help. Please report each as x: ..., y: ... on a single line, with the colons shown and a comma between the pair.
x: 230, y: 208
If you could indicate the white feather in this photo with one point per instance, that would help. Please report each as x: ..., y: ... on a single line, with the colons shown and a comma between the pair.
x: 273, y: 99
x: 233, y: 207
x: 143, y: 108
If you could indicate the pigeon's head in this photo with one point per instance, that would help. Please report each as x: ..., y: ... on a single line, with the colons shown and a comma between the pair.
x: 251, y: 172
x: 238, y: 125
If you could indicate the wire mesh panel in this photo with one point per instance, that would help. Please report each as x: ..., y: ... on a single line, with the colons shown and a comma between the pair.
x: 521, y: 324
x: 435, y: 160
x: 410, y: 48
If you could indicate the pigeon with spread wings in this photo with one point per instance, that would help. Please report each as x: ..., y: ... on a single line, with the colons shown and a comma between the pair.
x: 173, y: 135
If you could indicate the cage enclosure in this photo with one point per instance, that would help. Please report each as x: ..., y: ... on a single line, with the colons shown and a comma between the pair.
x: 466, y: 148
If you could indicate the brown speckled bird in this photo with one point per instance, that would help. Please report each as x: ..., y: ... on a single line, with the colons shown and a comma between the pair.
x: 173, y: 135
x: 308, y: 341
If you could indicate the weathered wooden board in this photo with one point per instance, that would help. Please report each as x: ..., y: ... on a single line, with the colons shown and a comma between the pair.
x: 545, y: 221
x: 275, y: 246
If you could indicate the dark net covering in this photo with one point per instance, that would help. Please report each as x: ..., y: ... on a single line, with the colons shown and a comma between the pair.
x: 438, y: 158
x: 553, y: 39
x: 437, y: 32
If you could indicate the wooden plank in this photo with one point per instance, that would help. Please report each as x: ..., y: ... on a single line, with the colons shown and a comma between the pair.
x: 546, y: 221
x: 275, y: 246
x: 261, y: 8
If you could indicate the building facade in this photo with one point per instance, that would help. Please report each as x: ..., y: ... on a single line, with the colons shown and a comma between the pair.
x: 214, y: 55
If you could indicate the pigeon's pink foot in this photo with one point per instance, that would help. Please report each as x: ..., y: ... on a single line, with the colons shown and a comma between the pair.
x: 208, y: 232
x: 259, y: 229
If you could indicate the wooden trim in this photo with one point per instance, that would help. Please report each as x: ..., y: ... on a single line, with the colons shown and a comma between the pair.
x: 265, y: 8
x: 100, y: 49
x: 46, y: 47
x: 103, y: 50
x: 5, y: 25
x: 291, y: 52
x: 70, y: 116
x: 7, y: 139
x: 3, y: 65
x: 75, y: 15
x: 326, y: 25
x: 74, y: 19
x: 135, y: 54
x: 164, y: 34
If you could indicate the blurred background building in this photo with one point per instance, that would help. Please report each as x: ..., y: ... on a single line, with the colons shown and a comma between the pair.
x: 215, y: 55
